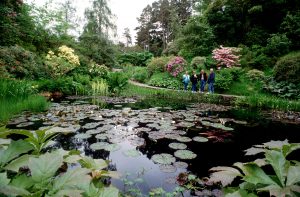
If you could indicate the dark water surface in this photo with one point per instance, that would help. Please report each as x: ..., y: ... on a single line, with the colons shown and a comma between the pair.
x: 217, y: 152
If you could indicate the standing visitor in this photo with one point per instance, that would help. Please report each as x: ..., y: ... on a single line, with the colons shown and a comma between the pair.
x: 211, y: 81
x: 194, y: 80
x: 203, y: 79
x: 186, y: 80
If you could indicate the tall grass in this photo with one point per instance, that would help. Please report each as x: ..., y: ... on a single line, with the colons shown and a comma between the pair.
x: 268, y: 102
x: 99, y: 88
x: 17, y: 96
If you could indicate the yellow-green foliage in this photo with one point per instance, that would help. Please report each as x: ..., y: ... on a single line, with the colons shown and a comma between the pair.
x: 63, y: 62
x: 99, y: 88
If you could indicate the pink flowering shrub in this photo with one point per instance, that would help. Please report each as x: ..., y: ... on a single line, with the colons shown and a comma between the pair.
x: 227, y: 56
x: 176, y: 66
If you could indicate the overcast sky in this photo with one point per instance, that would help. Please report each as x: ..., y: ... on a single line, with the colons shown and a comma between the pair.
x: 126, y: 12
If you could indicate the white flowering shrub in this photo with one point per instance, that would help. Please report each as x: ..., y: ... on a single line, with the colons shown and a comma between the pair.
x: 96, y: 70
x: 63, y: 62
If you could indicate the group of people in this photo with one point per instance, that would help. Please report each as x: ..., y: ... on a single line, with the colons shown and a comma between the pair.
x: 202, y: 78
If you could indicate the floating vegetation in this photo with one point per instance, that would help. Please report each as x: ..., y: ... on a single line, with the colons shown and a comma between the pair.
x: 177, y: 146
x: 185, y: 154
x: 132, y: 153
x: 164, y: 158
x: 25, y: 124
x: 99, y: 146
x: 91, y: 125
x: 216, y: 125
x: 180, y: 164
x: 200, y: 139
x: 102, y: 136
x: 167, y: 168
x: 184, y: 139
x: 82, y: 136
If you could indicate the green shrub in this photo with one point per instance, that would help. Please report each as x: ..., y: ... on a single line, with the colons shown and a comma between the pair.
x: 136, y: 59
x: 141, y: 75
x: 164, y: 80
x: 282, y: 89
x: 65, y: 85
x: 117, y: 82
x: 278, y: 45
x: 158, y: 64
x: 224, y: 79
x: 96, y: 70
x: 82, y: 79
x: 254, y: 75
x: 198, y: 62
x: 287, y: 68
x: 21, y: 64
x: 255, y: 57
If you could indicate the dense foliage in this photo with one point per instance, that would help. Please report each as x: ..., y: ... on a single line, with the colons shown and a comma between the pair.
x: 135, y: 59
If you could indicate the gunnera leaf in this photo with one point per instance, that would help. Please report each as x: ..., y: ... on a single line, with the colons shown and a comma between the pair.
x: 177, y: 146
x: 132, y: 153
x: 200, y: 139
x: 163, y: 158
x: 185, y: 154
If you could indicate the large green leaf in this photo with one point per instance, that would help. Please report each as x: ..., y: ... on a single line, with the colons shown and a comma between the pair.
x: 255, y: 175
x: 108, y: 192
x: 72, y: 179
x: 280, y: 165
x: 16, y: 164
x: 68, y: 192
x: 240, y: 193
x: 15, y: 149
x: 223, y: 174
x: 93, y: 164
x: 293, y: 175
x: 10, y: 190
x: 22, y: 181
x: 287, y: 149
x: 276, y: 190
x: 45, y: 166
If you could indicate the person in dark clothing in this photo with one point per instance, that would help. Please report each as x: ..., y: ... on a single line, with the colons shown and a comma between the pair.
x: 211, y: 81
x: 203, y: 78
x: 194, y: 80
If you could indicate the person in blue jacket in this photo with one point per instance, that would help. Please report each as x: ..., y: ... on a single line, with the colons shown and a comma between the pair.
x: 211, y: 81
x: 186, y: 80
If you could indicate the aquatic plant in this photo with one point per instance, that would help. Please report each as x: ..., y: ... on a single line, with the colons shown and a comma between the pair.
x: 163, y: 158
x: 177, y: 146
x: 285, y: 181
x: 185, y: 154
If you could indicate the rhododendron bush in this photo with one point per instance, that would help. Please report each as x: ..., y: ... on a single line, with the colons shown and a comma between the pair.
x: 63, y: 62
x: 227, y: 56
x: 176, y: 66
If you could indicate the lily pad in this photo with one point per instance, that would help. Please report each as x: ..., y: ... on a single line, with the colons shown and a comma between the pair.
x: 82, y: 136
x: 93, y: 131
x: 167, y: 168
x: 132, y: 153
x: 112, y: 147
x: 163, y: 158
x: 184, y: 139
x: 200, y: 139
x: 99, y: 146
x: 177, y: 146
x: 91, y: 125
x: 185, y: 154
x: 24, y: 124
x: 102, y: 136
x: 180, y: 164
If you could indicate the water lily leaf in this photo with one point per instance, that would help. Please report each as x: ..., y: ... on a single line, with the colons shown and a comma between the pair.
x: 82, y: 136
x: 25, y: 124
x: 200, y: 139
x: 112, y: 147
x: 102, y: 136
x: 185, y: 154
x: 180, y: 164
x: 93, y: 131
x: 276, y: 144
x: 184, y: 139
x: 91, y: 125
x: 163, y: 158
x: 132, y: 153
x: 177, y: 146
x: 99, y: 146
x: 167, y: 168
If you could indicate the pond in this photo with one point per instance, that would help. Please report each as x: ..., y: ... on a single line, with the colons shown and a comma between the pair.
x: 149, y: 142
